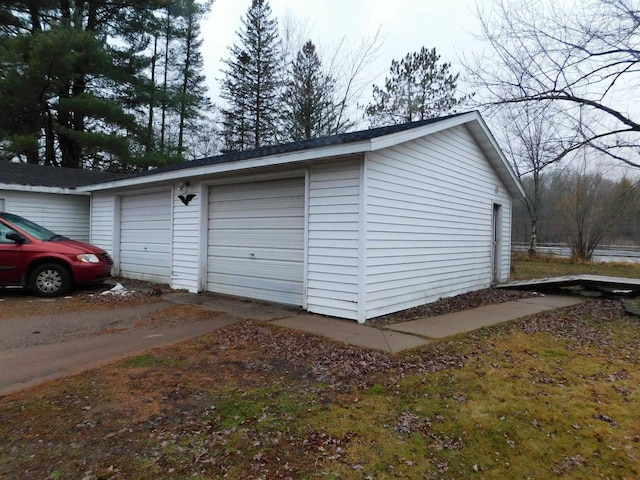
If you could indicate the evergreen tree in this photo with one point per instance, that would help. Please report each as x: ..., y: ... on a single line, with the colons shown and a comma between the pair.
x: 418, y: 88
x: 99, y: 84
x: 177, y: 98
x: 252, y: 82
x: 311, y: 110
x: 60, y: 73
x: 191, y: 92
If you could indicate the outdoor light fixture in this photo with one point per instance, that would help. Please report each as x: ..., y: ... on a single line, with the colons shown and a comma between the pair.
x: 185, y: 197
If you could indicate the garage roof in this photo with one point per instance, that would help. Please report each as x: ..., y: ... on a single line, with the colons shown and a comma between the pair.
x: 325, y: 147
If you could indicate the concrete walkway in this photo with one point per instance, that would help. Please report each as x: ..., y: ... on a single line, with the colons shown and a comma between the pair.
x: 403, y: 336
x: 468, y: 320
x: 352, y: 333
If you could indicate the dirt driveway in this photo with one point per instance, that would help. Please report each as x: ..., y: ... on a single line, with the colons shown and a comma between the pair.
x: 46, y: 339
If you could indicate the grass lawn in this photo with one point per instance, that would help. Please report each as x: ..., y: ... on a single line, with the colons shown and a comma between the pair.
x: 542, y: 266
x: 555, y: 395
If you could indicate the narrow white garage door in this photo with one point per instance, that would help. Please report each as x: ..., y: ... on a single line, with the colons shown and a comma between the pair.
x: 256, y: 240
x: 145, y: 237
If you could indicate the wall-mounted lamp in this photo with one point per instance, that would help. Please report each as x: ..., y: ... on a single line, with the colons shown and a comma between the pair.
x: 184, y: 196
x: 183, y: 186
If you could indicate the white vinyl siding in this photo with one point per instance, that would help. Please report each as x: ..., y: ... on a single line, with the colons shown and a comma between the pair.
x: 505, y: 245
x: 145, y: 236
x: 334, y: 195
x: 66, y: 215
x: 102, y: 218
x: 429, y: 221
x: 186, y: 242
x: 256, y: 240
x: 1, y: 204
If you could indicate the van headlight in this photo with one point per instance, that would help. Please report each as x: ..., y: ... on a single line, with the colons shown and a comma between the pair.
x: 88, y: 258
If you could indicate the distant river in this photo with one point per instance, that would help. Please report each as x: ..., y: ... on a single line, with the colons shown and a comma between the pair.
x: 606, y: 253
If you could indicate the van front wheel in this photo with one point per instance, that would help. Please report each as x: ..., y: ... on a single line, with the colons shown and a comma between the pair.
x: 49, y: 280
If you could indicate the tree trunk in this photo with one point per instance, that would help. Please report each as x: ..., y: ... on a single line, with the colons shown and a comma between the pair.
x: 533, y: 241
x: 163, y: 124
x: 152, y: 97
x: 185, y: 82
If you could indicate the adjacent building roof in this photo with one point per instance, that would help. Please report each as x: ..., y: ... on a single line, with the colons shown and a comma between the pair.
x: 56, y: 177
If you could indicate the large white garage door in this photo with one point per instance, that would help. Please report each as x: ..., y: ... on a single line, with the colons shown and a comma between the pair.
x: 145, y: 237
x: 256, y: 240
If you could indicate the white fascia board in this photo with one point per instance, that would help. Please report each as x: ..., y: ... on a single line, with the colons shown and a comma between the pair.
x: 39, y: 189
x: 408, y: 135
x: 226, y: 167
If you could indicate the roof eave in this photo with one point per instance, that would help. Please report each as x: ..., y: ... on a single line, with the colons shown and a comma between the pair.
x: 393, y: 139
x: 41, y: 189
x: 259, y: 162
x: 473, y: 120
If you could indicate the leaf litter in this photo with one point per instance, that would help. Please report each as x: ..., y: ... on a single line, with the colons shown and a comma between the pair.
x: 176, y: 412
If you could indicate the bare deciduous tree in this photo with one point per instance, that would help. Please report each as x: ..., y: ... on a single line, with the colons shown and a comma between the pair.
x: 589, y: 206
x: 533, y: 143
x: 584, y: 56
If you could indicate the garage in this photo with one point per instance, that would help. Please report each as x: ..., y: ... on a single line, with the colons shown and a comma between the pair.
x: 145, y: 236
x: 256, y: 240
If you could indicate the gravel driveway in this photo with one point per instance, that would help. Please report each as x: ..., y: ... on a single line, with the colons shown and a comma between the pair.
x: 37, y: 348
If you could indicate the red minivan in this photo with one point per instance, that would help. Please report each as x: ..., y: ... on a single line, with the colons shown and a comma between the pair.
x: 48, y: 264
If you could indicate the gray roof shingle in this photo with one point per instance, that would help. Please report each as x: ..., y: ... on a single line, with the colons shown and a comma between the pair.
x: 37, y: 175
x: 25, y: 174
x: 295, y: 146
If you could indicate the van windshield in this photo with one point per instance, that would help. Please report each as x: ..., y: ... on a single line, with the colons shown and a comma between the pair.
x: 30, y: 227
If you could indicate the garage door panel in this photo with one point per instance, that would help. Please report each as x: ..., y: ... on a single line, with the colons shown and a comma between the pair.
x: 153, y: 237
x: 148, y: 212
x: 282, y: 239
x: 148, y: 247
x: 237, y: 205
x: 262, y: 253
x: 260, y: 223
x: 133, y: 271
x: 159, y: 210
x: 249, y: 268
x: 256, y: 240
x: 145, y: 236
x: 261, y: 190
x: 140, y: 259
x: 275, y: 291
x: 141, y: 224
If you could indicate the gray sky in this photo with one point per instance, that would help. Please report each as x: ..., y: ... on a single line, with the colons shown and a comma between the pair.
x: 406, y: 25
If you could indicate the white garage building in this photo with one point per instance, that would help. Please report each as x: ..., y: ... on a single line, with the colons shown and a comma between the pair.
x: 355, y: 225
x: 49, y: 196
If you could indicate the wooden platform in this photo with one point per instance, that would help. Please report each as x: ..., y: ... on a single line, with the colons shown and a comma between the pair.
x: 590, y: 282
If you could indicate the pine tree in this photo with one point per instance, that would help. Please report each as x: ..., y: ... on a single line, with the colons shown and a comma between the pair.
x: 418, y: 88
x: 77, y: 75
x: 191, y: 92
x: 124, y: 79
x: 311, y: 110
x: 252, y: 82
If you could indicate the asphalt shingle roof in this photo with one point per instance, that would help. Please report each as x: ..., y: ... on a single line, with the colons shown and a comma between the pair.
x: 26, y: 174
x: 37, y: 175
x: 296, y: 146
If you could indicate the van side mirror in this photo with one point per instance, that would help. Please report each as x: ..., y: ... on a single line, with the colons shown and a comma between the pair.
x: 15, y: 237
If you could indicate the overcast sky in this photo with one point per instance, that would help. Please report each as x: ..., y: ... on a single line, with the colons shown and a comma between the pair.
x: 406, y: 25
